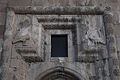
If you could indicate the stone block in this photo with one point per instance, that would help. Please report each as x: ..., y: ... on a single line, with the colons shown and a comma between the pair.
x: 83, y: 2
x: 117, y: 31
x: 3, y: 1
x: 45, y: 2
x: 3, y: 7
x: 61, y: 2
x: 1, y: 31
x: 112, y: 1
x: 1, y: 42
x: 2, y: 18
x: 19, y: 3
x: 118, y: 43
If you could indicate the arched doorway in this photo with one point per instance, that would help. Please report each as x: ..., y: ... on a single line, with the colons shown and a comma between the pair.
x: 60, y: 73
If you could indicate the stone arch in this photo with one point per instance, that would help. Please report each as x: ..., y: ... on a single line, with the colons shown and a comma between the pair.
x: 60, y: 73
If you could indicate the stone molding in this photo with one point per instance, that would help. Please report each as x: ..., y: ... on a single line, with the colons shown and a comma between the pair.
x: 78, y: 10
x: 59, y: 10
x: 86, y: 10
x: 60, y: 69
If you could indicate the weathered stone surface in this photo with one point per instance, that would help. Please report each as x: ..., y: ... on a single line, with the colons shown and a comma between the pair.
x: 1, y: 44
x: 92, y: 34
x: 93, y: 37
x: 59, y: 10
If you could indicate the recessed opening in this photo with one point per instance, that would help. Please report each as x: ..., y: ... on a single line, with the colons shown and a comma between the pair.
x: 59, y: 46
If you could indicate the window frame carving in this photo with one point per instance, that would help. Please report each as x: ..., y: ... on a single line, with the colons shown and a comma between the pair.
x: 12, y: 11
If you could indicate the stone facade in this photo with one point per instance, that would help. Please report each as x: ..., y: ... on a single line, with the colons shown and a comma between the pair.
x: 92, y: 29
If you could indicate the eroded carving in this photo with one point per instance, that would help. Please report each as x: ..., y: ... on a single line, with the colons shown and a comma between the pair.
x: 93, y: 35
x: 93, y: 38
x: 26, y: 39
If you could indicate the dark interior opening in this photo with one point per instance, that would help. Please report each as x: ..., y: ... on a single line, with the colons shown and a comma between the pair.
x: 59, y: 46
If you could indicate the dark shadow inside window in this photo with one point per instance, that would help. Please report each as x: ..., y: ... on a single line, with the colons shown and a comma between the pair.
x: 59, y: 46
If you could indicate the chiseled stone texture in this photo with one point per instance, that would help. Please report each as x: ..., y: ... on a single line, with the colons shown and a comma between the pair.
x: 1, y: 43
x: 94, y: 42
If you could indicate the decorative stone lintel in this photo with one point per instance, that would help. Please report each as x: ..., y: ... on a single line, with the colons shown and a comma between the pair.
x: 60, y: 19
x: 59, y: 26
x: 59, y: 10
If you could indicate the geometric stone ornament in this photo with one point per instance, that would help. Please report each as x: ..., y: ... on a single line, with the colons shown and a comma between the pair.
x: 91, y: 54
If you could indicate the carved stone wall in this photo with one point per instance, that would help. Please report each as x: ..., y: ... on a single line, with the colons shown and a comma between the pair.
x: 93, y: 37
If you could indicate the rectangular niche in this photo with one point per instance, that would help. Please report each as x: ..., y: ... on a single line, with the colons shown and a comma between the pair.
x: 59, y: 46
x: 56, y: 39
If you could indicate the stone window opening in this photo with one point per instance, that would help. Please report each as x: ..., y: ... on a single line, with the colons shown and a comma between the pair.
x: 59, y: 45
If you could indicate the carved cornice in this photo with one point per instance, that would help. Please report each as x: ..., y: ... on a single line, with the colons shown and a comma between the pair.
x: 59, y: 10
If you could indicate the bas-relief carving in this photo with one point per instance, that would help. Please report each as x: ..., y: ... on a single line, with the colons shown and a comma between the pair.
x: 23, y: 34
x: 27, y: 37
x: 93, y: 36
